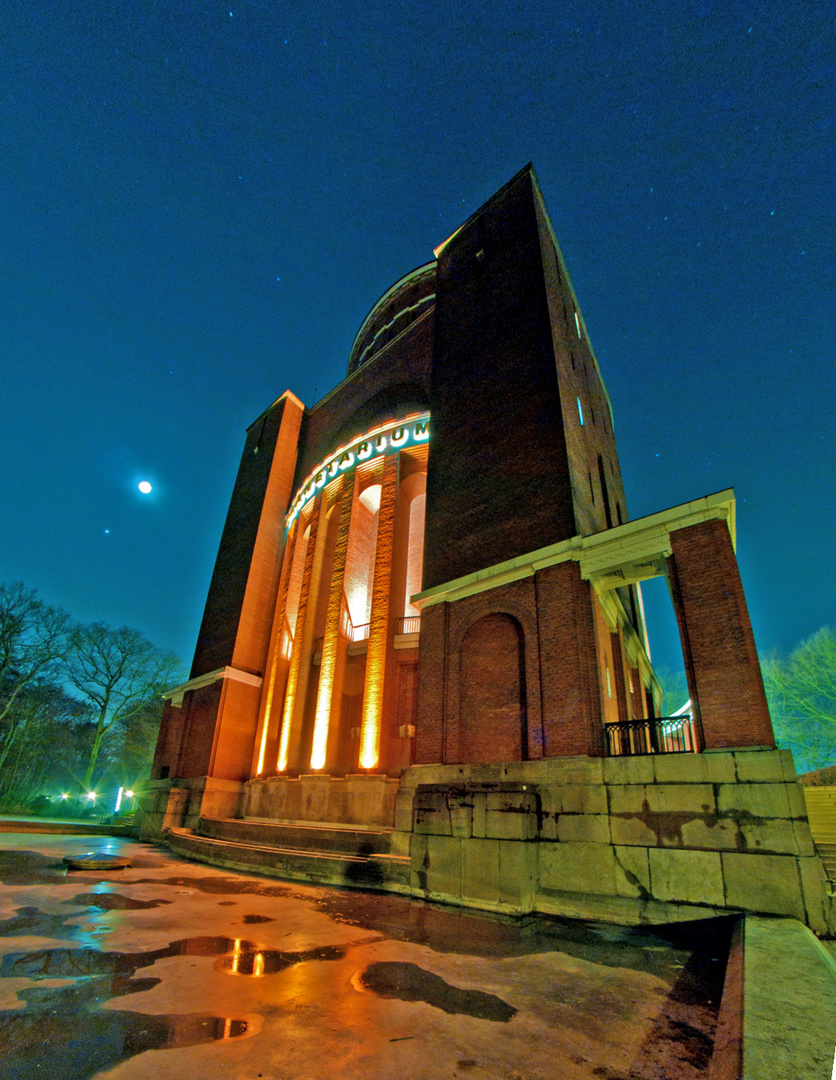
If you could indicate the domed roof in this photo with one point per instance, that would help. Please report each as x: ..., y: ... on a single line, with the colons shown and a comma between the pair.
x: 406, y: 301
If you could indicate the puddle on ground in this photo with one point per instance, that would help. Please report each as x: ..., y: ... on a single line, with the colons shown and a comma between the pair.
x: 409, y: 982
x: 32, y: 922
x: 252, y: 919
x: 87, y: 1040
x: 234, y: 955
x: 218, y: 886
x: 57, y: 1015
x: 107, y: 901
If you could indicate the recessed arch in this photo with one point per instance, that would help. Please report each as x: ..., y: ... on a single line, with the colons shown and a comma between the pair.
x: 494, y: 721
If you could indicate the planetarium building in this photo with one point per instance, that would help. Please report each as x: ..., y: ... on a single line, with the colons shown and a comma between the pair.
x: 425, y: 627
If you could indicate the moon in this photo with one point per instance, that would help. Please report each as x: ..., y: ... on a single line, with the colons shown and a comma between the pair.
x: 145, y: 487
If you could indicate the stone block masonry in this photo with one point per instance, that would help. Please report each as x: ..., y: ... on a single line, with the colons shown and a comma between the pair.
x: 631, y: 840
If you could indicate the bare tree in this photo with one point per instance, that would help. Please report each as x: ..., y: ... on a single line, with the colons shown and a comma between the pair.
x: 33, y: 641
x: 118, y: 671
x: 801, y: 690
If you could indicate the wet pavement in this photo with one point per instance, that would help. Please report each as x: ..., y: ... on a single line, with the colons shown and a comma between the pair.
x: 179, y: 969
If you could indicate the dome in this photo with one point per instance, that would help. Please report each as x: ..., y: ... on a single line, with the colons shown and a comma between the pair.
x: 406, y: 301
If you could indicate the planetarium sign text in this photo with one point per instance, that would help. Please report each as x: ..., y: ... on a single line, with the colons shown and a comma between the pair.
x: 408, y: 432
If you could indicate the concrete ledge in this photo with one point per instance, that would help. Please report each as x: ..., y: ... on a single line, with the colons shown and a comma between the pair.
x: 387, y: 873
x: 789, y: 1002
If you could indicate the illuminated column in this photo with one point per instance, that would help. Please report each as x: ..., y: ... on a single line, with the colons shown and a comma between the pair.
x: 276, y: 644
x: 330, y: 643
x: 293, y: 688
x: 379, y: 621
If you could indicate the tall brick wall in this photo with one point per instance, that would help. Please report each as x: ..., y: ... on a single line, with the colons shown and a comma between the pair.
x: 498, y: 476
x: 235, y: 624
x: 595, y: 473
x: 721, y: 660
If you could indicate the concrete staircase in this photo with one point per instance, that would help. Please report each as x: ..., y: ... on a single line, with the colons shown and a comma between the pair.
x: 821, y: 811
x: 320, y: 853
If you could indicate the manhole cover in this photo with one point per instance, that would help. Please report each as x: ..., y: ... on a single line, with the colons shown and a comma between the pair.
x: 94, y: 861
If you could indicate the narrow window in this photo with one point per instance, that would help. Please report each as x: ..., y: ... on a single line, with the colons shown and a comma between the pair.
x: 580, y: 411
x: 591, y: 488
x: 605, y: 495
x: 577, y: 324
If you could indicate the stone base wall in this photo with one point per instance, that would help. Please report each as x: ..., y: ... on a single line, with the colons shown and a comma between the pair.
x: 351, y: 800
x: 644, y: 839
x: 179, y: 804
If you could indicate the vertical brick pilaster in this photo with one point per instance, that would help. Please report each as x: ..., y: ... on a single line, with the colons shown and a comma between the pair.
x: 327, y: 693
x: 568, y: 663
x: 266, y: 743
x: 379, y: 624
x: 432, y: 659
x: 721, y: 661
x: 620, y: 680
x: 297, y: 674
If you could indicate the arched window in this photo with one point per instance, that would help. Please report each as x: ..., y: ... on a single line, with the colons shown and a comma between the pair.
x: 294, y: 589
x: 359, y: 563
x: 415, y: 550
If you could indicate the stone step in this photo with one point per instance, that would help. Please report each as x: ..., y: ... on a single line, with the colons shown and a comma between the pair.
x: 318, y: 837
x: 374, y: 871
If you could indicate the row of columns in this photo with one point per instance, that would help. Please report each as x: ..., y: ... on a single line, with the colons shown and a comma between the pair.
x: 297, y: 741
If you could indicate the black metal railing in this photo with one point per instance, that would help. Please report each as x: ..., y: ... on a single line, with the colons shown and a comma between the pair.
x: 661, y: 735
x: 410, y: 624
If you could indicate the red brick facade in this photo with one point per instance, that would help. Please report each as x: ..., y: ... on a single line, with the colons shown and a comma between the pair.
x: 721, y: 662
x: 474, y: 406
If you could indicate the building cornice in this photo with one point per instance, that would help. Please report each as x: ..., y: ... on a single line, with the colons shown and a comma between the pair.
x: 632, y: 552
x: 234, y: 674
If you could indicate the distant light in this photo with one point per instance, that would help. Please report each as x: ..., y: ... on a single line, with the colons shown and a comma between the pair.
x: 65, y: 796
x: 129, y: 794
x: 145, y: 487
x: 91, y: 796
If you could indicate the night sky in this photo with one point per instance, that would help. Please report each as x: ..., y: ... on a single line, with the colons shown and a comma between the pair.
x: 200, y: 203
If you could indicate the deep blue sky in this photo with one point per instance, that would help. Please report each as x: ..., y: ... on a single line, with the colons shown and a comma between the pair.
x: 201, y: 201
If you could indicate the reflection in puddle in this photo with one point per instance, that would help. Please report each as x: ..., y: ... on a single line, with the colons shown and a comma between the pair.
x: 237, y: 956
x: 88, y: 1039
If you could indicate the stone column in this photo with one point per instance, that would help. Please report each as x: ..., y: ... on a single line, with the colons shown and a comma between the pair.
x: 721, y: 662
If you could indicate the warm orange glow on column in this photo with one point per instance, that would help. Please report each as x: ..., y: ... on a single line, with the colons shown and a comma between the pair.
x: 278, y: 633
x: 330, y: 643
x: 296, y: 654
x: 379, y: 620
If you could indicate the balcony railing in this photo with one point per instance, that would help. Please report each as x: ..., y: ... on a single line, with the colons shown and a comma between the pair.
x: 358, y: 634
x: 664, y: 735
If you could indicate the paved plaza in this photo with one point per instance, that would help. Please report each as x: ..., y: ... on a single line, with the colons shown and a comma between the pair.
x: 176, y: 969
